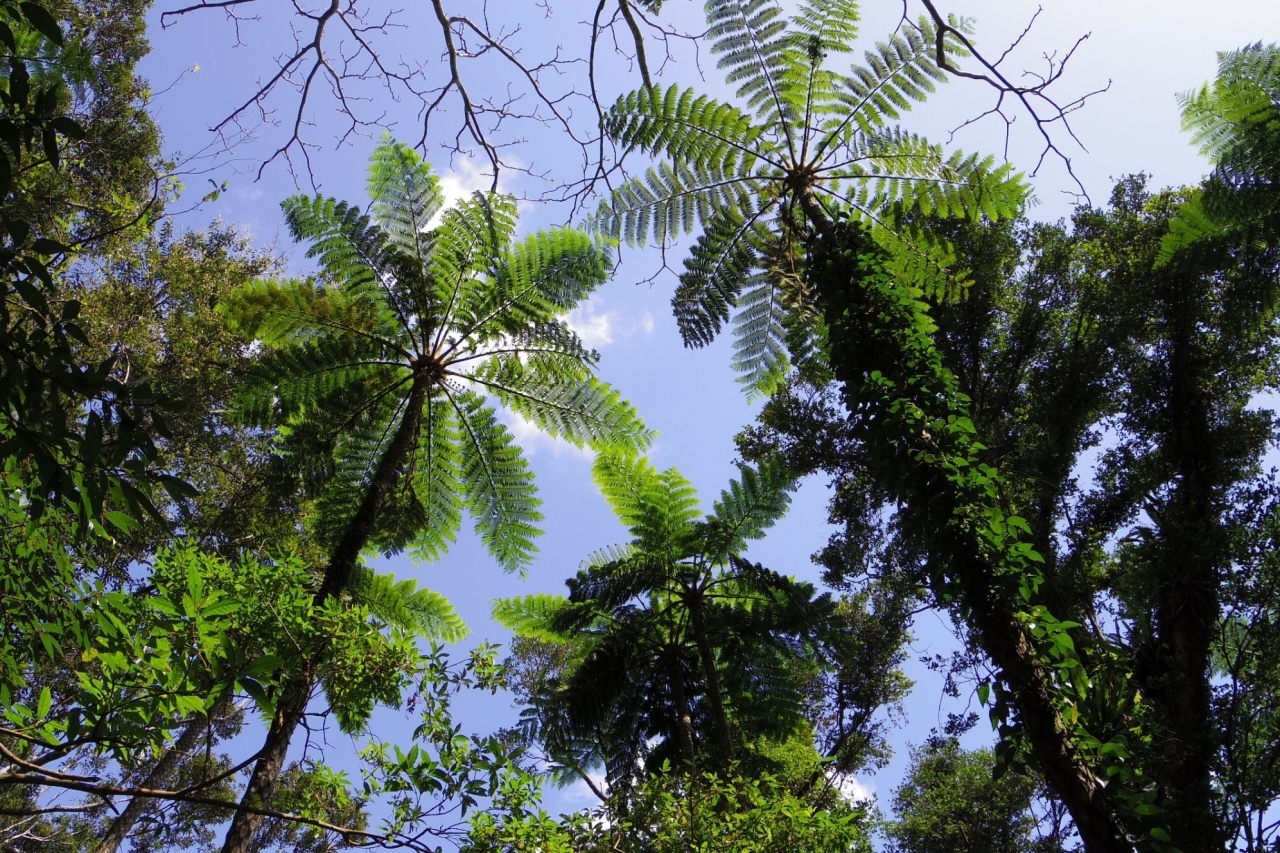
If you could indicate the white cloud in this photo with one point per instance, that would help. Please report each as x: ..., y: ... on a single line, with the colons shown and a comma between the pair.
x: 599, y: 328
x: 532, y: 439
x: 463, y: 177
x: 853, y: 789
x: 579, y: 795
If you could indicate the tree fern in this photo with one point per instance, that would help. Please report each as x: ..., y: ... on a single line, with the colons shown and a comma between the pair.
x: 1236, y: 124
x: 406, y: 605
x: 808, y: 144
x: 670, y: 649
x: 458, y: 311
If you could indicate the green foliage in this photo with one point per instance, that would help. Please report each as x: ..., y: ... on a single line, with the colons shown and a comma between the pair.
x: 951, y: 803
x: 671, y: 648
x: 77, y: 155
x: 457, y: 312
x: 810, y: 143
x: 1236, y: 124
x: 671, y: 813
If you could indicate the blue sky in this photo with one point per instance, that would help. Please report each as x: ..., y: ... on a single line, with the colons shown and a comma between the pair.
x: 1146, y: 50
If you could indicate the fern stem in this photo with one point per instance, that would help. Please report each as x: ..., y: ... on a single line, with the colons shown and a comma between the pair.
x: 360, y: 528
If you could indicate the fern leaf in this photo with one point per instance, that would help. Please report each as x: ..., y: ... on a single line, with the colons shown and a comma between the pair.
x: 749, y: 506
x: 497, y: 484
x: 436, y: 480
x: 574, y: 406
x: 406, y: 196
x: 760, y: 328
x: 715, y: 271
x: 693, y: 129
x: 403, y: 604
x: 533, y: 615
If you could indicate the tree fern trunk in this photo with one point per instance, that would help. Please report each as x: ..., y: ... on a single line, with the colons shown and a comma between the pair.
x: 266, y: 772
x: 684, y: 718
x: 715, y: 695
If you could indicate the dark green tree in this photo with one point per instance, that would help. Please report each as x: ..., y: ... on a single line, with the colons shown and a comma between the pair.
x: 673, y: 649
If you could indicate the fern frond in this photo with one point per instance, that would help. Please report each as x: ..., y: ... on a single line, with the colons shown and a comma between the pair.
x: 669, y: 201
x: 625, y: 479
x: 580, y: 408
x: 834, y: 23
x: 718, y: 266
x: 403, y: 604
x: 497, y: 483
x: 693, y: 129
x: 760, y: 332
x: 750, y: 505
x: 897, y: 74
x: 468, y: 245
x: 348, y: 247
x: 614, y: 584
x: 542, y: 276
x: 436, y: 480
x: 535, y: 616
x: 406, y: 196
x: 750, y: 38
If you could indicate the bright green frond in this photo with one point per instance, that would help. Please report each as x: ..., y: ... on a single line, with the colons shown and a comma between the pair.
x: 1190, y: 224
x: 498, y: 485
x: 533, y: 615
x: 673, y: 507
x: 579, y: 408
x: 403, y: 604
x: 1244, y: 94
x: 437, y: 480
x: 348, y: 247
x: 919, y: 258
x: 541, y: 277
x: 625, y: 479
x: 405, y: 196
x: 693, y: 129
x: 834, y: 23
x: 469, y: 243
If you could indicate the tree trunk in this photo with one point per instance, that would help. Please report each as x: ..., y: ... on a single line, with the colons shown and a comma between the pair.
x: 159, y: 775
x: 1186, y: 605
x: 715, y: 695
x: 266, y: 772
x: 684, y: 718
x: 871, y: 331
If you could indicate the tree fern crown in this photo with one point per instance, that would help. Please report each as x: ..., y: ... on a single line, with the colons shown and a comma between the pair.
x: 424, y: 318
x: 806, y: 145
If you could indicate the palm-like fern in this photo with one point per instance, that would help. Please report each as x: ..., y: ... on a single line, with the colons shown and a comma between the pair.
x: 389, y: 363
x: 1236, y: 124
x: 811, y: 144
x: 379, y: 378
x: 678, y: 648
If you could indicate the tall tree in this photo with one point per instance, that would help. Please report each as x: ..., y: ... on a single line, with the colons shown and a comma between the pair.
x: 377, y: 382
